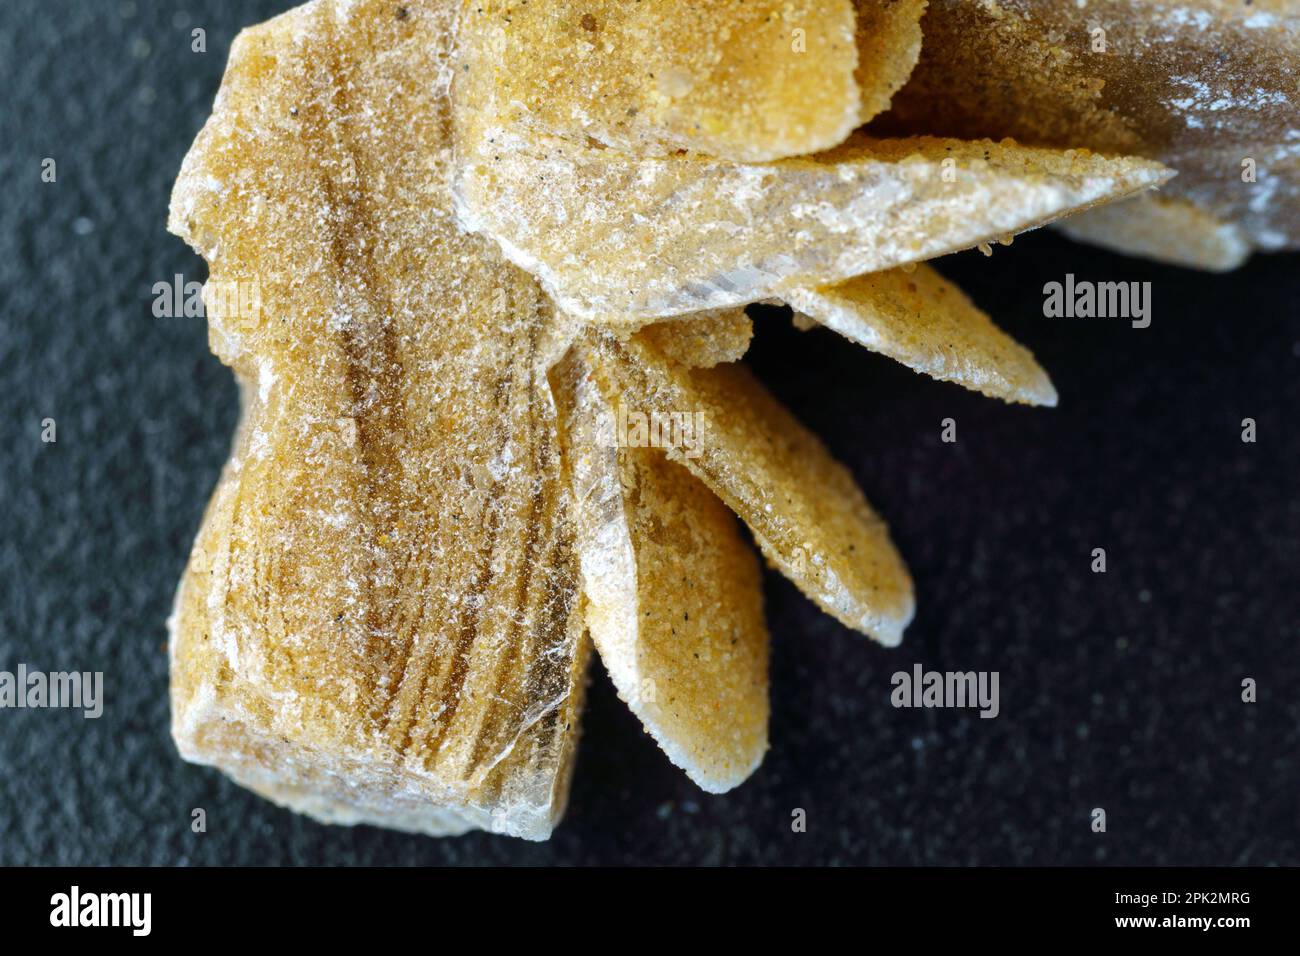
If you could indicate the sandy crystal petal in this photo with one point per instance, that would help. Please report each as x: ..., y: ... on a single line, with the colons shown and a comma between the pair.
x: 805, y: 510
x: 617, y: 238
x: 674, y: 599
x: 889, y: 44
x: 744, y: 79
x: 927, y: 323
x: 703, y: 339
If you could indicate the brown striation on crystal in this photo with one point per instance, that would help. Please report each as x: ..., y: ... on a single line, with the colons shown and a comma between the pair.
x: 380, y: 621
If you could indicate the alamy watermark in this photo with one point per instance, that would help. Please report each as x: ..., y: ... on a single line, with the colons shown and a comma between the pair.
x: 75, y: 908
x: 631, y: 428
x: 922, y: 688
x: 177, y: 299
x: 71, y: 690
x: 1101, y: 300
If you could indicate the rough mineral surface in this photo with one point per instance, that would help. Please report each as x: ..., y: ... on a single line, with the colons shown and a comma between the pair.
x: 380, y: 620
x: 675, y: 605
x: 1201, y: 85
x: 704, y: 339
x: 743, y: 79
x: 889, y: 43
x: 928, y: 324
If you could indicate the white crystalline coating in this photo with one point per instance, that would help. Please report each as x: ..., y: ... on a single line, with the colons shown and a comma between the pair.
x: 615, y: 238
x: 1260, y: 21
x: 929, y: 325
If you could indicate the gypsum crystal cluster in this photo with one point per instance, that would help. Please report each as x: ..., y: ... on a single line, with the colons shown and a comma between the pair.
x: 482, y: 231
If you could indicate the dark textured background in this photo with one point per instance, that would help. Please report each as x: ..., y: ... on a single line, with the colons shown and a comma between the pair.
x: 1118, y: 690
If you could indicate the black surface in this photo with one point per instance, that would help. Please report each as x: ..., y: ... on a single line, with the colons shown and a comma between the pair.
x: 1119, y: 690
